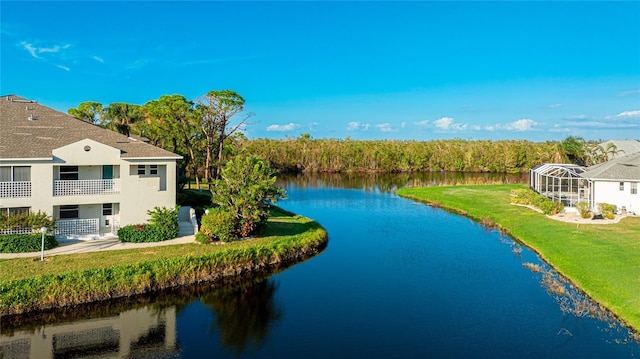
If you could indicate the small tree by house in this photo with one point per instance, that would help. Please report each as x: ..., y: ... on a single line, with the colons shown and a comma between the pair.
x: 246, y: 190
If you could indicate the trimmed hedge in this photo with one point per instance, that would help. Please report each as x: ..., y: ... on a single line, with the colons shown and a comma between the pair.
x: 138, y: 233
x: 24, y: 243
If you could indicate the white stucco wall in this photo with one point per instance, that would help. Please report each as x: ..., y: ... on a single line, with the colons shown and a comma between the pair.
x: 609, y: 192
x: 138, y: 193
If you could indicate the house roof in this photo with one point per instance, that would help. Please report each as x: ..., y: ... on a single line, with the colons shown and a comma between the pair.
x: 621, y: 168
x: 625, y: 147
x: 30, y: 130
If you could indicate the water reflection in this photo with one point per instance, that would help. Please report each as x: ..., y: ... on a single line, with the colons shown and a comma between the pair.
x: 244, y: 314
x: 388, y: 182
x: 135, y: 333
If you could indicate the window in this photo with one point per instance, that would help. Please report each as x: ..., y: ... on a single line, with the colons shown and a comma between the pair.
x: 622, y: 186
x: 69, y: 173
x: 153, y: 169
x: 107, y: 209
x: 5, y: 174
x: 634, y: 187
x: 141, y: 170
x: 15, y: 174
x: 16, y: 210
x: 68, y: 212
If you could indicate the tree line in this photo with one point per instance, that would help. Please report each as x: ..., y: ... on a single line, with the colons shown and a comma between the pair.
x: 332, y: 155
x: 207, y: 131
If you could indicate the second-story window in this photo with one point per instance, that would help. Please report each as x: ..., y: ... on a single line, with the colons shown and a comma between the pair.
x: 15, y: 174
x: 153, y: 169
x: 69, y: 173
x: 142, y: 170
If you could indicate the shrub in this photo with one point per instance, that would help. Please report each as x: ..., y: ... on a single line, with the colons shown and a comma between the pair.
x: 24, y: 243
x: 138, y: 233
x: 607, y: 210
x: 194, y: 198
x: 218, y: 225
x: 34, y: 221
x: 247, y: 190
x: 529, y: 197
x: 166, y: 219
x: 584, y: 209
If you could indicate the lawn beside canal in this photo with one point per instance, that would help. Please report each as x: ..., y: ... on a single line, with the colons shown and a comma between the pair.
x: 64, y: 280
x: 602, y: 260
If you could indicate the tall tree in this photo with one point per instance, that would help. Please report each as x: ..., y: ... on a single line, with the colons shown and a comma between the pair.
x: 89, y: 111
x: 216, y: 110
x: 172, y: 119
x: 121, y: 117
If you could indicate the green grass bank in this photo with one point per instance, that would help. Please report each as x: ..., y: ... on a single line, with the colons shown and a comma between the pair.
x: 28, y: 285
x: 602, y: 260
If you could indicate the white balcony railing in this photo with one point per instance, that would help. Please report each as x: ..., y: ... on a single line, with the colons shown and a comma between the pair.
x: 24, y: 230
x: 15, y: 189
x: 77, y: 227
x: 86, y: 187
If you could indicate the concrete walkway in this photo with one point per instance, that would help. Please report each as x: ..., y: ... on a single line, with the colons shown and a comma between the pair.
x: 108, y: 244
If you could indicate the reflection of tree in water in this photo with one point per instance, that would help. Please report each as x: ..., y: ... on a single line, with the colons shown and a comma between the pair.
x: 244, y: 314
x: 387, y: 182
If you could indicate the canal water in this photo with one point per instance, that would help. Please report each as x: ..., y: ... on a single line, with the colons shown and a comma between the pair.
x: 398, y: 279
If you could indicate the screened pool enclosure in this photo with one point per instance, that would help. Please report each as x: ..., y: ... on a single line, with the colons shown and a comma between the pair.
x: 560, y: 183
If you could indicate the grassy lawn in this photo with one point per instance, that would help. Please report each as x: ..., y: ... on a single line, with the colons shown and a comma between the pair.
x: 83, y: 277
x: 281, y: 226
x: 603, y: 260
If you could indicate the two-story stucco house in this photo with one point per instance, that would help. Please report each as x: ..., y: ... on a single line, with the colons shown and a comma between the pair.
x: 90, y: 179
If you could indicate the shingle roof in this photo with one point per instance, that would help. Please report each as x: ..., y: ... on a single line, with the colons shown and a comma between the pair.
x: 30, y: 130
x: 626, y: 147
x: 621, y: 168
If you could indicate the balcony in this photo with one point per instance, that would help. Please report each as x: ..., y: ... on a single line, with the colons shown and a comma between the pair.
x: 77, y: 227
x: 88, y: 227
x: 86, y: 187
x: 15, y: 189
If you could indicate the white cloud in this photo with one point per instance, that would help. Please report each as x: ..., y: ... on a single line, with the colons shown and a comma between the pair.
x: 32, y: 50
x: 35, y: 51
x: 629, y: 114
x: 447, y: 123
x: 422, y: 123
x: 555, y: 105
x: 354, y: 125
x: 403, y: 124
x: 282, y: 128
x: 443, y: 123
x: 476, y: 127
x: 385, y: 127
x: 576, y: 117
x: 98, y: 58
x: 313, y: 126
x: 523, y: 124
x: 63, y: 67
x: 55, y: 48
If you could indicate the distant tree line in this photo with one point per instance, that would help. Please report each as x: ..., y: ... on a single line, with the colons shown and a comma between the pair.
x: 208, y: 131
x: 331, y: 155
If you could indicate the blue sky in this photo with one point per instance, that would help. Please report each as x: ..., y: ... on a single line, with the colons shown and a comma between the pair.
x: 364, y: 70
